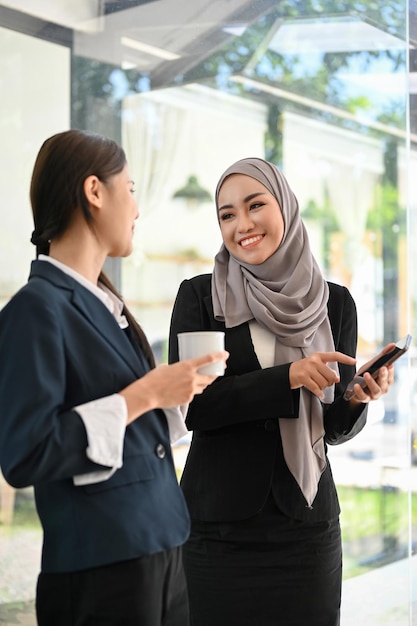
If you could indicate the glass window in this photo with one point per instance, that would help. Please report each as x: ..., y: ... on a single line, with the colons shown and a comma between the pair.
x: 327, y: 92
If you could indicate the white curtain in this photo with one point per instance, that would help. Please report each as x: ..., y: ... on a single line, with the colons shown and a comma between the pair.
x: 153, y: 136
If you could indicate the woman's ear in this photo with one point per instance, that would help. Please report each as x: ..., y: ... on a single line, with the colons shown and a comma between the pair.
x: 92, y: 190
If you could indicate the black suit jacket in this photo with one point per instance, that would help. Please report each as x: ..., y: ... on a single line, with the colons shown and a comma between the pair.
x: 60, y: 347
x: 236, y: 458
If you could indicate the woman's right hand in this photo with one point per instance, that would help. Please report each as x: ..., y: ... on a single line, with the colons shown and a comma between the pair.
x: 169, y: 385
x: 313, y: 372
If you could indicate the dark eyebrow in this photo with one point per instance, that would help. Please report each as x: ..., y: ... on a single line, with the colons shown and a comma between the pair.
x: 247, y: 199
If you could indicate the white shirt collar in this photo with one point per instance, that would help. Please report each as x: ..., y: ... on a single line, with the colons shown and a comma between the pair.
x: 109, y: 299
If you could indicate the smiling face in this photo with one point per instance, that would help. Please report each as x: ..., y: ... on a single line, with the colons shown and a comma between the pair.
x: 250, y: 217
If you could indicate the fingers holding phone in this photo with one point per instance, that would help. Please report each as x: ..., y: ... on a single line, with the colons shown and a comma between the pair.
x: 375, y: 377
x: 366, y: 387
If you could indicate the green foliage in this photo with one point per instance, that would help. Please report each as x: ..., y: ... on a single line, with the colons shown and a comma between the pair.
x: 386, y: 214
x: 97, y: 91
x: 315, y: 75
x: 191, y: 254
x: 361, y: 103
x: 327, y: 219
x: 25, y: 515
x: 98, y: 88
x: 375, y: 527
x: 273, y: 135
x: 325, y: 215
x: 370, y: 512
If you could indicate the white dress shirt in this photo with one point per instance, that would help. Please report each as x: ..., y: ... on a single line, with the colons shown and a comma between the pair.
x: 264, y: 344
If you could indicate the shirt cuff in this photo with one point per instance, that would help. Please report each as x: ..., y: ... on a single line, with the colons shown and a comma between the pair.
x: 105, y: 423
x: 176, y: 424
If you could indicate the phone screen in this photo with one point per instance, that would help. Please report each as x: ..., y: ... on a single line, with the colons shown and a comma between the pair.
x: 399, y: 349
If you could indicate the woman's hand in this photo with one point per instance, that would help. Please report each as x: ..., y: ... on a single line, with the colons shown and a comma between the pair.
x: 314, y: 373
x: 375, y: 387
x: 169, y: 385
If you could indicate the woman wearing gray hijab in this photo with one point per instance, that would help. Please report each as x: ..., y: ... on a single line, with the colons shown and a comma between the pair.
x: 265, y: 546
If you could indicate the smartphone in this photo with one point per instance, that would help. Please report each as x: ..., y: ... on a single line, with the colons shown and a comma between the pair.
x: 386, y: 359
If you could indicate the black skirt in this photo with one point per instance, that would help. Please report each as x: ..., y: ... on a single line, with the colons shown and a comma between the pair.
x: 268, y: 570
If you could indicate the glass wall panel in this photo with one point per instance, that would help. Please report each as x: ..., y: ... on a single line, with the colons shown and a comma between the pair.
x: 35, y: 102
x: 324, y: 90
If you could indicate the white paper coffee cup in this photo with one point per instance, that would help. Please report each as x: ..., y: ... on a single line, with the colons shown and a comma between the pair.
x: 199, y: 343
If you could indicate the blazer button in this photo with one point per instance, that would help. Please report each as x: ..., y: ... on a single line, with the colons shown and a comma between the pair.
x: 160, y: 451
x: 271, y: 425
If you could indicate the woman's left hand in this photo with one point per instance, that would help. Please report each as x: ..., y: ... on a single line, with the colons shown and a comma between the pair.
x: 375, y: 387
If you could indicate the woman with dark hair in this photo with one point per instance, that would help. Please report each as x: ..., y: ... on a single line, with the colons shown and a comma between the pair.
x: 86, y: 417
x: 265, y: 547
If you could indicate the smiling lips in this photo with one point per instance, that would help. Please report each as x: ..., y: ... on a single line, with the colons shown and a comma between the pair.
x: 250, y: 240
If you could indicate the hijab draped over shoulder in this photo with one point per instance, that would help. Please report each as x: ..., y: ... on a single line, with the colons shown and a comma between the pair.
x: 287, y: 295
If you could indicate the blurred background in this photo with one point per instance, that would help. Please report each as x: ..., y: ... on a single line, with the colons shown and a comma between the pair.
x: 324, y: 89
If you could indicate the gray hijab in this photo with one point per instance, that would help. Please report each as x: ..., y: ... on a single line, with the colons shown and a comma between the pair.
x: 288, y: 295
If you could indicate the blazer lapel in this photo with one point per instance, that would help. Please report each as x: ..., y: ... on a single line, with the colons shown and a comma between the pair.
x: 94, y: 311
x: 242, y: 354
x: 104, y: 323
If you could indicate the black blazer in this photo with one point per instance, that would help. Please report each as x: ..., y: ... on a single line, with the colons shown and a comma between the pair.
x: 60, y: 347
x: 236, y: 457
